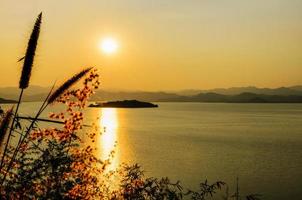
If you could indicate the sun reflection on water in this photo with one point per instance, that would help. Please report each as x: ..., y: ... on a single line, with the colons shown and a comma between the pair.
x: 109, y: 137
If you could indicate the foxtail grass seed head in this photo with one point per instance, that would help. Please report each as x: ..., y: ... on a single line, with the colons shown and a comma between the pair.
x: 65, y: 86
x: 5, y: 122
x: 30, y: 54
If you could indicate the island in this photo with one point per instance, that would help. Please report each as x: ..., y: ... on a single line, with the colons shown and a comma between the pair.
x: 124, y: 104
x: 7, y: 101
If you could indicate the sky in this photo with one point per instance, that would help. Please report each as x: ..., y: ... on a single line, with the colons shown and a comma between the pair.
x: 162, y: 45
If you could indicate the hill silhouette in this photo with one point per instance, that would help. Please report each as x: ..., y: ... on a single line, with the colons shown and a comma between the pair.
x: 240, y: 98
x: 234, y: 94
x: 293, y: 90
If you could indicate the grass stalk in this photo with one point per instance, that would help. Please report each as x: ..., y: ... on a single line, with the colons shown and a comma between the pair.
x: 21, y: 141
x: 11, y: 129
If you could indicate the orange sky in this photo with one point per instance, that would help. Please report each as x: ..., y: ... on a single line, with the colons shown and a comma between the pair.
x: 163, y: 45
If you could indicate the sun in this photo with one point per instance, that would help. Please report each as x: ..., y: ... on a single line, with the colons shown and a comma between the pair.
x: 109, y: 45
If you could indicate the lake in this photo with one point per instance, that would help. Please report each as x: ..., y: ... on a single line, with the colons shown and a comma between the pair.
x: 261, y: 144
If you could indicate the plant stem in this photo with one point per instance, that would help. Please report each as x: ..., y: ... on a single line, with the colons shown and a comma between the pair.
x: 237, y: 188
x: 11, y: 129
x: 42, y: 108
x: 19, y: 145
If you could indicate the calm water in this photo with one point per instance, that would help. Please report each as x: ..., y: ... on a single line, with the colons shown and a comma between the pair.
x: 259, y: 143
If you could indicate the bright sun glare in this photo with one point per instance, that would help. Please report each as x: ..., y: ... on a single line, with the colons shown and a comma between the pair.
x: 109, y: 45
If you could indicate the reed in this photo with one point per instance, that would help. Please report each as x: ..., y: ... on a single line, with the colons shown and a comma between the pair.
x: 30, y: 54
x: 65, y: 86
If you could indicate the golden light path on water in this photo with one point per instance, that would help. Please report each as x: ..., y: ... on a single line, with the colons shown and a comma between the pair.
x: 109, y: 137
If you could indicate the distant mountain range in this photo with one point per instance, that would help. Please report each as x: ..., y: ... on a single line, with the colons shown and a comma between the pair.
x: 236, y: 94
x: 294, y: 90
x: 32, y: 93
x: 245, y: 97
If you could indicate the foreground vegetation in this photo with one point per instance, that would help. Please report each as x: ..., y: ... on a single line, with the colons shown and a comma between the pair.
x: 60, y: 162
